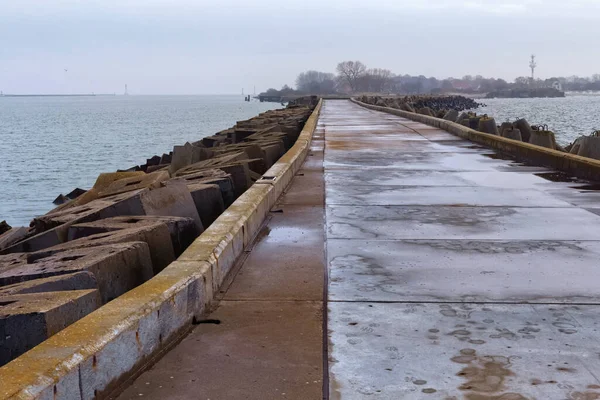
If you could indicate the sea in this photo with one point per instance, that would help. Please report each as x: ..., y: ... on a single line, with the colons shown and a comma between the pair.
x: 51, y: 145
x: 568, y: 117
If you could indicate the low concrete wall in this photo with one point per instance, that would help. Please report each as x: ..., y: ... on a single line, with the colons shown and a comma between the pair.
x: 94, y: 355
x: 580, y: 167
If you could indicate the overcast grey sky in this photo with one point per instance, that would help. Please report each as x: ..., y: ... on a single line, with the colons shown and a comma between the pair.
x: 222, y: 46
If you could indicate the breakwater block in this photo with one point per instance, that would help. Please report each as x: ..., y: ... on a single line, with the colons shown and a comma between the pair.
x: 504, y: 126
x: 512, y: 133
x: 12, y: 235
x: 543, y: 138
x: 589, y: 146
x: 213, y: 176
x: 183, y: 231
x: 75, y: 281
x: 186, y: 155
x: 134, y: 183
x: 156, y: 236
x: 172, y: 198
x: 26, y: 320
x: 523, y: 126
x: 426, y: 111
x: 117, y: 268
x: 451, y: 115
x: 238, y: 170
x: 208, y: 200
x: 487, y: 125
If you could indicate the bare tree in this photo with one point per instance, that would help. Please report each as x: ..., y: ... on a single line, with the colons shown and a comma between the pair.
x: 350, y: 72
x: 315, y: 82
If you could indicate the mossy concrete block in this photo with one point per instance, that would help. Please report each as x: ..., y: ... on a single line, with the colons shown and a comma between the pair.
x: 117, y: 268
x: 156, y: 236
x: 26, y: 320
x: 487, y: 125
x: 183, y: 231
x: 134, y: 183
x: 59, y: 283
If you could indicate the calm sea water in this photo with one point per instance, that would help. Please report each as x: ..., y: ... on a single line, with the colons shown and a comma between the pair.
x: 50, y: 145
x: 568, y: 117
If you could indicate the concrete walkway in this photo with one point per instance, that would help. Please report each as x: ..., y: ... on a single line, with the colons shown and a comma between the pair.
x: 454, y: 273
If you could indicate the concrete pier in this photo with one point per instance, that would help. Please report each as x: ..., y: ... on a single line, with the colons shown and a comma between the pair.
x: 451, y: 273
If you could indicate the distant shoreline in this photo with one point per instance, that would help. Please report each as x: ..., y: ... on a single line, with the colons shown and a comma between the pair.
x: 55, y: 95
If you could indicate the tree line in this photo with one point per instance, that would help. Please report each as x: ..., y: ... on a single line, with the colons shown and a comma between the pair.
x: 355, y: 77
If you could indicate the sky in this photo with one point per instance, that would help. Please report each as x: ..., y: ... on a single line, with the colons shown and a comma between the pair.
x: 224, y: 46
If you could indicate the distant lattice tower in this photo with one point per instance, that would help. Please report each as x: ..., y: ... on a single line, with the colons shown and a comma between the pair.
x: 532, y: 65
x: 126, y: 93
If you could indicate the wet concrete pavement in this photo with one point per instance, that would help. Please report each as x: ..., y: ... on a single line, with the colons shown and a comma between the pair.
x: 454, y: 273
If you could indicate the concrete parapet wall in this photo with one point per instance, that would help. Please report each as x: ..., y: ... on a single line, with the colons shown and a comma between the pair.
x: 94, y: 355
x: 572, y: 164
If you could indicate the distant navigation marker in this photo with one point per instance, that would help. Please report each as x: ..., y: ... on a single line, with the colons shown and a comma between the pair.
x: 532, y: 65
x: 126, y: 93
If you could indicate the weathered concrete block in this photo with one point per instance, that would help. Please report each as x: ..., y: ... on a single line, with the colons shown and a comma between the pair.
x: 186, y: 155
x: 117, y: 268
x: 125, y: 185
x: 589, y: 146
x: 504, y: 126
x: 451, y: 115
x: 75, y: 193
x: 272, y: 154
x: 208, y: 200
x: 222, y: 179
x: 26, y: 320
x: 165, y: 159
x: 542, y: 138
x: 59, y: 283
x: 238, y: 170
x: 426, y: 111
x: 474, y: 122
x: 183, y: 231
x: 523, y: 126
x: 157, y: 236
x: 12, y: 236
x: 512, y: 133
x: 461, y: 117
x: 171, y: 199
x: 488, y: 125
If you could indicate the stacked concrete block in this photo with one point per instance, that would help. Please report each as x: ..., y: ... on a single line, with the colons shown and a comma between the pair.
x: 26, y: 320
x: 208, y: 200
x: 186, y: 155
x: 182, y: 231
x: 117, y: 268
x: 156, y: 236
x: 171, y: 199
x: 58, y: 283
